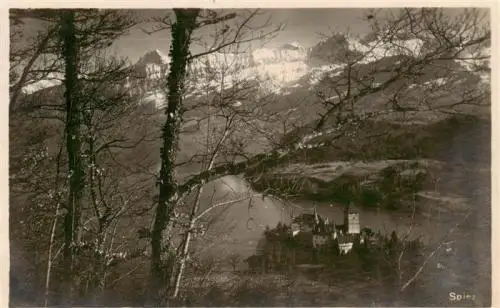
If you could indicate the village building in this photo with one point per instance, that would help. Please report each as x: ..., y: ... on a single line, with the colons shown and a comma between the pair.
x: 323, y: 230
x: 315, y: 232
x: 304, y: 223
x: 346, y: 242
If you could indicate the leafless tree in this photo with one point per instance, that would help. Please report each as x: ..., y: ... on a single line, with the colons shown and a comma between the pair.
x: 31, y: 56
x: 415, y: 61
x: 446, y: 56
x: 183, y: 32
x: 95, y: 87
x: 117, y: 182
x: 443, y: 242
x: 438, y: 42
x: 229, y: 116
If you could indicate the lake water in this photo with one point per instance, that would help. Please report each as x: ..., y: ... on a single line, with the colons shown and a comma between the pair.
x: 463, y: 265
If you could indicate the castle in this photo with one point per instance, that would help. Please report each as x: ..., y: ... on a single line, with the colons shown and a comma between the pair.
x: 323, y: 230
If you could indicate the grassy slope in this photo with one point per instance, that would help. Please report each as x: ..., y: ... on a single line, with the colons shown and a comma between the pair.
x: 397, y: 153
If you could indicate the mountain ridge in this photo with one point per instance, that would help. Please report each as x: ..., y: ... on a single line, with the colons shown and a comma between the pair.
x: 283, y: 70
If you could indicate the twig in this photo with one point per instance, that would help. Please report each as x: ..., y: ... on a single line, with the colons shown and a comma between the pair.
x: 443, y: 242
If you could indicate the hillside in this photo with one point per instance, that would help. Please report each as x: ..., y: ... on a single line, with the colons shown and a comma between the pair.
x: 418, y: 133
x: 348, y: 121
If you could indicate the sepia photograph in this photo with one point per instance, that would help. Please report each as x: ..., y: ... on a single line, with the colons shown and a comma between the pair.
x: 227, y: 157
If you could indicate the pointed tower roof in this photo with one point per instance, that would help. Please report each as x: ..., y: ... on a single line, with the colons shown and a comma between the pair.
x: 316, y: 218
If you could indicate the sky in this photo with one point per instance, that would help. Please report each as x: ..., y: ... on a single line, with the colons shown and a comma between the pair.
x: 301, y: 25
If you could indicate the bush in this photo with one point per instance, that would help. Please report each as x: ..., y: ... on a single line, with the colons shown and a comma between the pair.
x: 370, y: 197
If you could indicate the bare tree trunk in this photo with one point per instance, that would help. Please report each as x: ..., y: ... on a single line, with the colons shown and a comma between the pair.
x: 50, y: 259
x: 179, y: 52
x: 187, y: 240
x: 194, y: 212
x: 73, y: 146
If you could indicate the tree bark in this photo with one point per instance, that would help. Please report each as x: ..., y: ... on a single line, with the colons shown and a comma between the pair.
x: 73, y: 147
x: 179, y: 53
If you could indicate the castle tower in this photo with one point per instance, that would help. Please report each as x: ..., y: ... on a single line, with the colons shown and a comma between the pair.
x: 351, y: 221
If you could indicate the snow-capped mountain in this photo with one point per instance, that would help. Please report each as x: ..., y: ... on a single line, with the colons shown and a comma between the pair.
x: 286, y: 53
x: 152, y: 65
x: 273, y: 68
x: 283, y: 64
x: 40, y: 85
x: 340, y: 47
x: 280, y: 70
x: 154, y: 56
